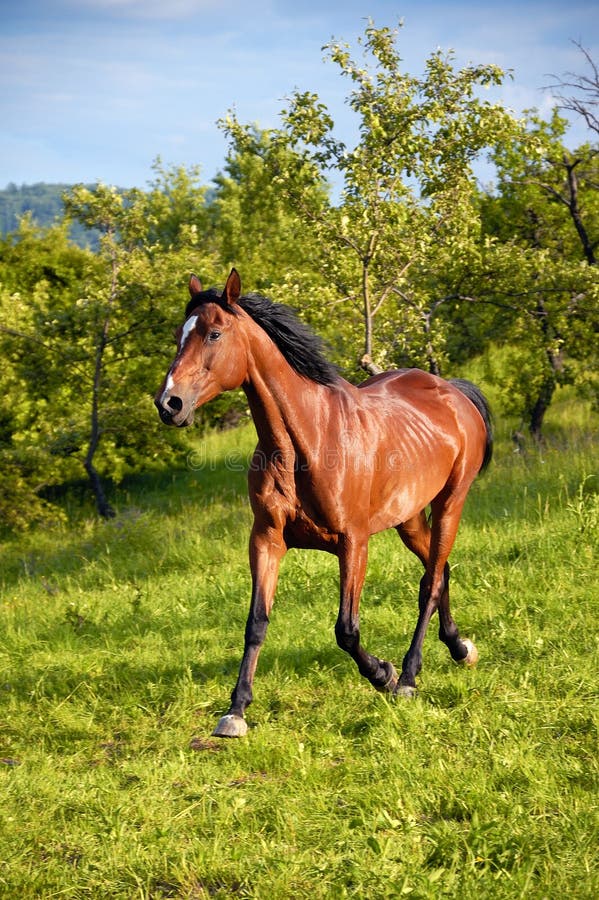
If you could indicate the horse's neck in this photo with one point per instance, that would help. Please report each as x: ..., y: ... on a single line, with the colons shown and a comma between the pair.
x: 286, y: 408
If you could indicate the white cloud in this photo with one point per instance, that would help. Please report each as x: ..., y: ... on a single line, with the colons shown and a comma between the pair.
x: 153, y: 9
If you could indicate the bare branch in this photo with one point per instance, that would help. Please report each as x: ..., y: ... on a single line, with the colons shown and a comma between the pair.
x: 368, y: 364
x: 585, y: 99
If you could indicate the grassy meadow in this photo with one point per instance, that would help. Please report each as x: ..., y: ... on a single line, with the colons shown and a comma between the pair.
x: 119, y: 646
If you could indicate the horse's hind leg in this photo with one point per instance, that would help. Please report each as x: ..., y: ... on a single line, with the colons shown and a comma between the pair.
x: 462, y: 649
x: 433, y: 595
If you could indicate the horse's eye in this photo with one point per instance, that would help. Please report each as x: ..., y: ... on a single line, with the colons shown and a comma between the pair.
x: 214, y: 335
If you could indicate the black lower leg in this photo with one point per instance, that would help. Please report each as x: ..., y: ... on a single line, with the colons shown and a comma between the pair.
x: 412, y: 661
x: 380, y: 673
x: 255, y: 633
x: 448, y: 630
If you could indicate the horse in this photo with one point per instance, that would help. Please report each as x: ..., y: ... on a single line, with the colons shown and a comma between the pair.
x: 335, y: 463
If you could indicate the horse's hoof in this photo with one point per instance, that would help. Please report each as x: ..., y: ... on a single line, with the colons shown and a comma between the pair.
x: 471, y: 657
x: 231, y: 726
x: 405, y: 691
x: 391, y: 684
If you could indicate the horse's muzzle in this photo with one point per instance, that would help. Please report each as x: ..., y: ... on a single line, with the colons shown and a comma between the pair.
x: 166, y: 416
x: 170, y: 416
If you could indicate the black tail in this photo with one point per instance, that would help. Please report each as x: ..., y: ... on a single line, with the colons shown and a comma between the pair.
x: 480, y: 401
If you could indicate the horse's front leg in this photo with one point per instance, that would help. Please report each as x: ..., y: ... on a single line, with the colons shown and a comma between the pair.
x: 353, y: 555
x: 266, y: 551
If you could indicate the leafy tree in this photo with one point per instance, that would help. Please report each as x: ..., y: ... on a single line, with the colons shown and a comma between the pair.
x: 88, y: 335
x: 43, y: 204
x: 147, y: 241
x: 35, y: 265
x: 394, y: 248
x: 545, y: 214
x: 257, y: 229
x: 177, y: 211
x: 254, y: 224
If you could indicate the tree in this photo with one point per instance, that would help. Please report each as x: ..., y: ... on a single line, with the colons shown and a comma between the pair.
x: 580, y: 93
x: 35, y: 265
x: 147, y: 242
x: 406, y: 226
x: 177, y: 210
x: 545, y: 214
x: 254, y: 224
x: 88, y: 344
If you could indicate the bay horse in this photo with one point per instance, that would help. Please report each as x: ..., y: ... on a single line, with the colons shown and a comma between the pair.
x: 335, y: 463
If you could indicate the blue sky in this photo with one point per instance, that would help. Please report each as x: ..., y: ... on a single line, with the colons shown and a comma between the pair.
x: 95, y: 90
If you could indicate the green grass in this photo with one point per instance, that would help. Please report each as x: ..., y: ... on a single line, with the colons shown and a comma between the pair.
x: 120, y: 645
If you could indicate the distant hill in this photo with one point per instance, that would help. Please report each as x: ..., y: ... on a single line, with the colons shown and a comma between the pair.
x: 44, y: 202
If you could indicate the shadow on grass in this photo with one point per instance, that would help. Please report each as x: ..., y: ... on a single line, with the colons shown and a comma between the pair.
x: 156, y: 684
x: 54, y: 551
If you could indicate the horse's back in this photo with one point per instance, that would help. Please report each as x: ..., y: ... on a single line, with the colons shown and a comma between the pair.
x: 405, y: 383
x: 439, y: 419
x: 420, y: 391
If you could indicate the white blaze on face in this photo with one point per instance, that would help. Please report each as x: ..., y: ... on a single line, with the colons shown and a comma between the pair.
x: 170, y: 383
x: 187, y: 329
x: 167, y: 389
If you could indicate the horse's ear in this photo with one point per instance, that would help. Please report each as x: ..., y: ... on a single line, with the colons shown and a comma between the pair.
x: 233, y: 287
x: 195, y: 286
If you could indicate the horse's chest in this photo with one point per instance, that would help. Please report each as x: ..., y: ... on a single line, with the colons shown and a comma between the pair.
x: 304, y: 523
x: 305, y: 531
x: 308, y: 510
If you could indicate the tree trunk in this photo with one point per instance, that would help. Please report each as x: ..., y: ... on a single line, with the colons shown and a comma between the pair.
x: 575, y: 213
x: 433, y: 364
x: 370, y: 366
x: 537, y: 415
x: 549, y: 384
x: 367, y: 313
x: 103, y: 507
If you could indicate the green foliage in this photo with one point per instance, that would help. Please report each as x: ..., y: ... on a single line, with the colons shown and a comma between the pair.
x: 44, y: 200
x: 40, y: 277
x: 121, y: 642
x: 86, y: 337
x: 406, y: 229
x: 386, y: 247
x: 176, y: 212
x: 254, y: 226
x: 411, y: 262
x: 544, y: 223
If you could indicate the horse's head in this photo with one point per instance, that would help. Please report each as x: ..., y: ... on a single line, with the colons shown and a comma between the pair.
x: 211, y: 353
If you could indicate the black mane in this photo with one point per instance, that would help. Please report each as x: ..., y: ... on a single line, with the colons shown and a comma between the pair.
x: 302, y: 349
x: 209, y: 296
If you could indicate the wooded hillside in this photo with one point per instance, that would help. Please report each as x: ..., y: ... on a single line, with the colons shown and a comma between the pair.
x: 44, y: 203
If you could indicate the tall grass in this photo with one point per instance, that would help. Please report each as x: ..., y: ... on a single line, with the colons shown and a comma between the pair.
x: 120, y: 644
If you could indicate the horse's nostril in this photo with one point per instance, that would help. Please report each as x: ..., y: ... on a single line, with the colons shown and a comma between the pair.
x: 175, y: 403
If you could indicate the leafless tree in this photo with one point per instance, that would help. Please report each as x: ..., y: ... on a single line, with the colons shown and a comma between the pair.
x: 580, y: 93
